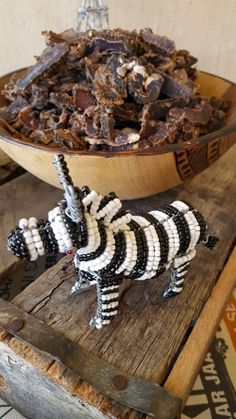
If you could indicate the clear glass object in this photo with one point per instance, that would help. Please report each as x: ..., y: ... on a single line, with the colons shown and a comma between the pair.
x: 92, y: 14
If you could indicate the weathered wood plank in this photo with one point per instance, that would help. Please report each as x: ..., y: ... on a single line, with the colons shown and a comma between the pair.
x: 10, y: 171
x: 147, y: 336
x: 22, y: 197
x: 182, y: 377
x: 57, y: 400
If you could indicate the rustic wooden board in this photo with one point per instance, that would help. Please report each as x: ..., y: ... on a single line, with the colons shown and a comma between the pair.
x: 22, y: 197
x: 10, y: 171
x: 181, y: 378
x: 147, y: 336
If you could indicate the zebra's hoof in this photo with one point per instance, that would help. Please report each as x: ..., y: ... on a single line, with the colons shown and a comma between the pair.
x: 96, y: 322
x: 169, y: 293
x: 74, y: 290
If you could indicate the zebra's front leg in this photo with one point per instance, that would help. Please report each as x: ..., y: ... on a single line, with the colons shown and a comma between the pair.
x: 83, y: 284
x: 179, y: 269
x: 107, y: 305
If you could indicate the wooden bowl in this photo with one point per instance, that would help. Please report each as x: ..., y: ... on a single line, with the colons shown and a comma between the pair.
x: 132, y: 174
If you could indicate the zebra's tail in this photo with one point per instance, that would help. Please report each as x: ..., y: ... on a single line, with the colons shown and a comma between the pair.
x: 210, y: 241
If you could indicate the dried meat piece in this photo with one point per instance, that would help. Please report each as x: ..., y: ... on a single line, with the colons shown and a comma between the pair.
x: 29, y: 118
x: 99, y: 123
x: 199, y: 115
x: 142, y: 87
x: 83, y: 97
x: 51, y: 57
x: 39, y: 96
x: 62, y: 100
x: 65, y: 138
x: 109, y: 87
x: 127, y: 115
x: 160, y: 42
x: 110, y: 90
x: 166, y: 133
x: 174, y: 89
x: 103, y: 45
x: 127, y: 136
x: 42, y: 137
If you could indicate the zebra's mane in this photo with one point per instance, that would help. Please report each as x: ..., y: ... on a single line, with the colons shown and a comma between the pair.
x: 107, y: 209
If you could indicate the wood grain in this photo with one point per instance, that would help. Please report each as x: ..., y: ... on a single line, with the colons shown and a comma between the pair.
x: 149, y: 333
x: 182, y: 377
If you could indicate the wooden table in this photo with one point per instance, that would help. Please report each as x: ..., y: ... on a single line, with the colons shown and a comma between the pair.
x: 161, y: 341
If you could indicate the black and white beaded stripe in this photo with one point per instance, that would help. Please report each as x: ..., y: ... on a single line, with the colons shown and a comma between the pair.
x: 108, y: 208
x: 202, y: 225
x: 188, y: 204
x: 83, y: 232
x: 71, y: 226
x: 181, y: 225
x: 182, y: 268
x: 153, y: 246
x: 108, y: 303
x: 47, y: 244
x: 133, y: 225
x: 51, y: 237
x: 142, y: 254
x: 16, y: 244
x: 100, y: 250
x: 163, y: 240
x: 119, y: 214
x: 87, y: 276
x: 174, y: 241
x: 110, y: 197
x: 118, y: 257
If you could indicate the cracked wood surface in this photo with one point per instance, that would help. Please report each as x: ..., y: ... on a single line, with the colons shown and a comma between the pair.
x: 149, y: 332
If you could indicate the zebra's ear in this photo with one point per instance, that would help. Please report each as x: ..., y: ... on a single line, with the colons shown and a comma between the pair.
x: 72, y: 195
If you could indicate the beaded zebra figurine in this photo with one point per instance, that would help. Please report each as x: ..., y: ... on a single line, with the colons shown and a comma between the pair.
x: 111, y: 244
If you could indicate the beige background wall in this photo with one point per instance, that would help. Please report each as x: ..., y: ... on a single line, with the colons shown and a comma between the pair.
x: 206, y: 27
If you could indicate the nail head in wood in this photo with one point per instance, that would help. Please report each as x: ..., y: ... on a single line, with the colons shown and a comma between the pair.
x: 119, y: 382
x: 15, y: 325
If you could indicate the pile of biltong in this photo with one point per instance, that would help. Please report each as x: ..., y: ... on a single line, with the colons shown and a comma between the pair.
x: 110, y: 90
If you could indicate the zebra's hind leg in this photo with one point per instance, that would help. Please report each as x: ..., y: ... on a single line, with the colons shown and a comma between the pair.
x: 107, y: 308
x: 179, y: 269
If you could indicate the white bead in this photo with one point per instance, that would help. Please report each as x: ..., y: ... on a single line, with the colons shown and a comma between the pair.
x: 28, y: 241
x: 31, y: 246
x: 37, y: 238
x: 23, y: 223
x: 41, y: 252
x: 27, y: 234
x: 32, y: 222
x: 39, y: 245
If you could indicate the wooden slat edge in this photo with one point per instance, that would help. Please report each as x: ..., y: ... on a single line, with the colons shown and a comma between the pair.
x: 184, y: 372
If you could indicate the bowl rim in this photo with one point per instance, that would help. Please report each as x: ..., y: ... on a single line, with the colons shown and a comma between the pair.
x: 180, y: 146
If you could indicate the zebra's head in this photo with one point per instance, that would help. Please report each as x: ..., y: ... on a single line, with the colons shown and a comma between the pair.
x: 61, y: 232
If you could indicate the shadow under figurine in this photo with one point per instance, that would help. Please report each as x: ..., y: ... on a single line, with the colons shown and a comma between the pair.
x: 112, y: 244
